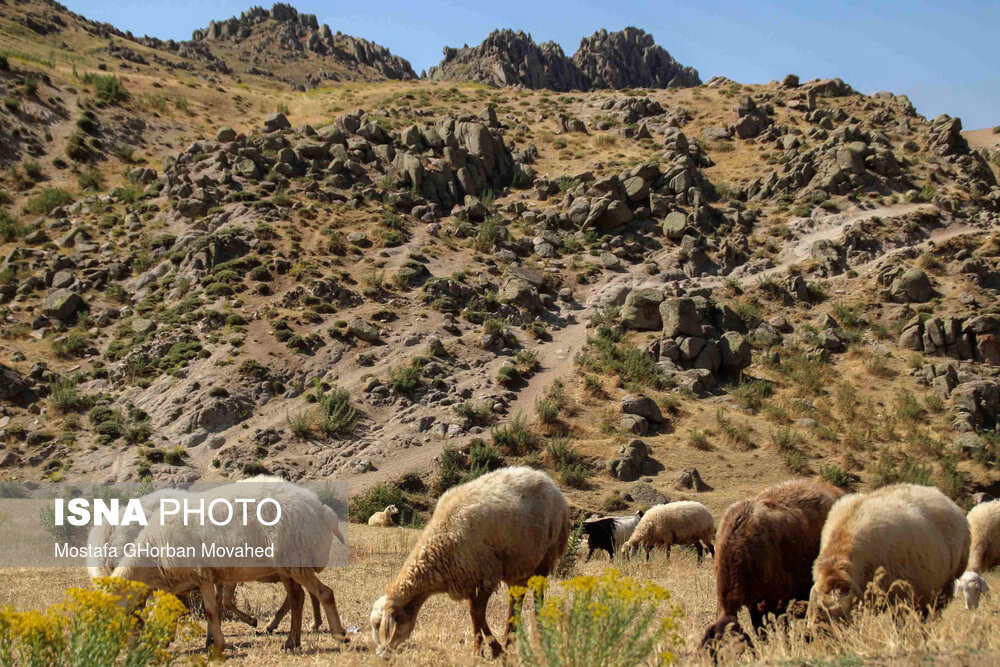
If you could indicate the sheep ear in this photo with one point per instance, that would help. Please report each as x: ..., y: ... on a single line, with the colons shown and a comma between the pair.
x: 387, y: 630
x: 983, y: 586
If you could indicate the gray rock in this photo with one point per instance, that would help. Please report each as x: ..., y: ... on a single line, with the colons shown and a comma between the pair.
x: 645, y: 494
x: 275, y: 122
x: 736, y: 352
x: 635, y: 424
x: 363, y: 330
x: 914, y: 286
x: 61, y: 304
x: 642, y: 310
x: 11, y: 383
x: 225, y: 135
x: 627, y: 466
x: 674, y: 225
x: 680, y: 318
x: 690, y: 479
x: 637, y: 404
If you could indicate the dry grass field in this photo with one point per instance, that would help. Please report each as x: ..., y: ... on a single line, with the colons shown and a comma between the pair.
x: 443, y: 632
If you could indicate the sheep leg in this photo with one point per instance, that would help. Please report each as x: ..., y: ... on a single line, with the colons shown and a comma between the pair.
x: 317, y: 613
x: 295, y: 597
x: 590, y: 553
x: 319, y: 590
x: 211, y: 603
x: 480, y: 628
x: 229, y: 604
x: 711, y: 549
x: 701, y: 552
x: 286, y: 604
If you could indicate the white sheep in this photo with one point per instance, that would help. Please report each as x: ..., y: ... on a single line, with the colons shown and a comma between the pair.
x: 506, y: 526
x: 384, y: 518
x: 913, y: 536
x: 303, y: 535
x: 682, y: 522
x: 984, y: 555
x: 118, y: 536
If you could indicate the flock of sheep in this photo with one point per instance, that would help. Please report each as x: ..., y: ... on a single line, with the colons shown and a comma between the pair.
x: 794, y: 542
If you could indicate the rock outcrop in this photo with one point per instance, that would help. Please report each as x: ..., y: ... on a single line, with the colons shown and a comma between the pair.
x: 625, y: 59
x: 630, y: 58
x: 508, y: 58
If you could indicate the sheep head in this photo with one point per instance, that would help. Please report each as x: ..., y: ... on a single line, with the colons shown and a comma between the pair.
x: 833, y: 595
x: 392, y: 510
x: 392, y: 623
x: 971, y: 585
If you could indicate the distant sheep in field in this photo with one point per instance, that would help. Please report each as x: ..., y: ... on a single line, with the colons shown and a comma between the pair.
x: 304, y: 535
x: 506, y: 526
x: 609, y: 533
x: 984, y: 555
x: 384, y: 518
x: 683, y: 522
x: 765, y: 550
x: 914, y: 536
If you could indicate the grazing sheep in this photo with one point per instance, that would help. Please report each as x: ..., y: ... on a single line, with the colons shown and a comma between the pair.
x: 305, y: 534
x: 506, y: 526
x: 610, y: 532
x: 915, y: 535
x: 682, y: 522
x: 984, y: 555
x: 766, y: 546
x: 384, y: 518
x: 119, y: 536
x: 971, y: 585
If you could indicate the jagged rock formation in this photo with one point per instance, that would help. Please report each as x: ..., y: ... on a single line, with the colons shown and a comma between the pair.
x: 286, y: 31
x: 625, y: 59
x: 630, y: 59
x: 508, y: 58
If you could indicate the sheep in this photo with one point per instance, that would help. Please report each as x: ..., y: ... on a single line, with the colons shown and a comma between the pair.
x: 119, y: 536
x: 984, y: 555
x: 305, y: 535
x: 610, y: 532
x: 384, y: 518
x: 682, y: 522
x: 506, y: 526
x: 911, y: 538
x: 766, y: 546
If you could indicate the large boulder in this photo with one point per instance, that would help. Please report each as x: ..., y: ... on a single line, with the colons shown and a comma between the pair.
x: 735, y: 351
x: 674, y: 225
x: 61, y: 304
x: 519, y: 292
x: 913, y: 286
x: 363, y: 330
x: 680, y: 318
x: 643, y: 406
x: 11, y: 383
x: 642, y: 310
x: 629, y: 463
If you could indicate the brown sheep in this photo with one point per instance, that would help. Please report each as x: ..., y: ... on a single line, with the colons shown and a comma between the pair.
x: 766, y: 548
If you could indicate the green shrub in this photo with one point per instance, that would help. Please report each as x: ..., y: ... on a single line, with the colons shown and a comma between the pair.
x: 47, y: 200
x: 336, y: 414
x: 70, y: 345
x: 833, y: 474
x: 90, y: 179
x: 9, y: 227
x: 404, y: 379
x: 515, y: 438
x: 67, y: 398
x: 107, y: 87
x: 751, y: 394
x: 491, y: 234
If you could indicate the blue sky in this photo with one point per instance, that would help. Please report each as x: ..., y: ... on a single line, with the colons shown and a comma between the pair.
x: 942, y: 55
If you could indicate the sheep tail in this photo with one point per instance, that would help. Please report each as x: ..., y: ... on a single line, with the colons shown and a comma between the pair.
x: 333, y: 523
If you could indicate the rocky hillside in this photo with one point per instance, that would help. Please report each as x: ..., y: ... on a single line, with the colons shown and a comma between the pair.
x: 405, y: 283
x: 625, y: 59
x: 269, y: 40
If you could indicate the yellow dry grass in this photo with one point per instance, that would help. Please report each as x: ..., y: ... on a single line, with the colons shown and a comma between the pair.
x: 443, y: 632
